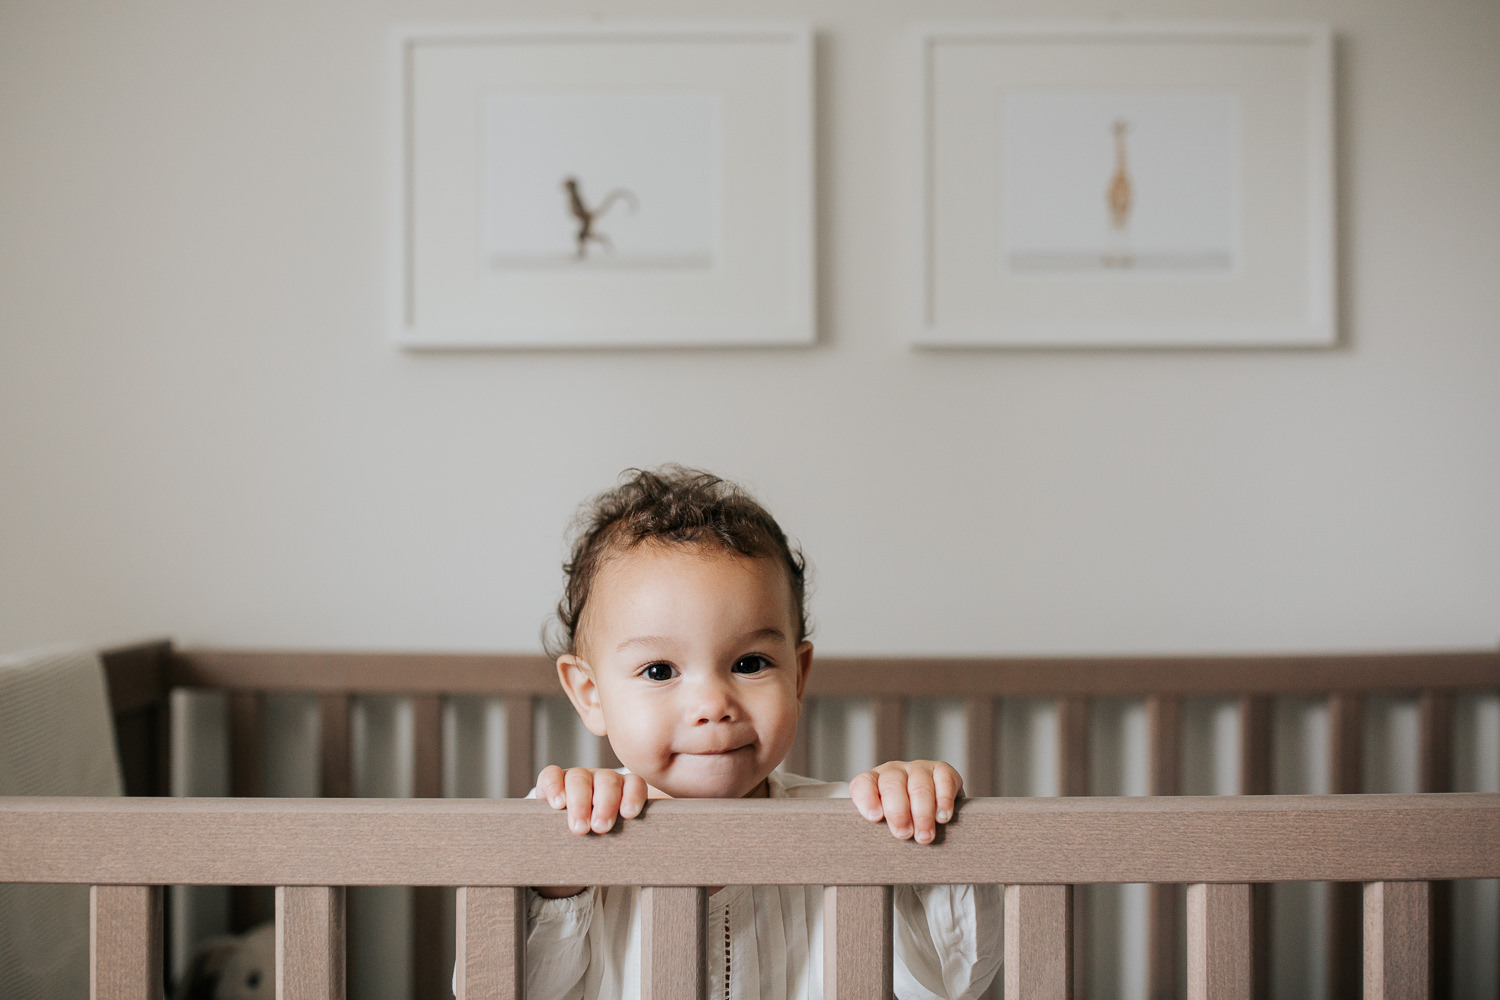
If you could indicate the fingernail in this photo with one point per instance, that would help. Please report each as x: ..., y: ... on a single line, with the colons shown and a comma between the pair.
x: 901, y: 832
x: 944, y: 816
x: 557, y: 802
x: 872, y: 814
x: 603, y: 825
x: 924, y: 837
x: 579, y: 826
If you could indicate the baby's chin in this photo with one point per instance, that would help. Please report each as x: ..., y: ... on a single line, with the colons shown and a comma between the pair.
x: 713, y: 777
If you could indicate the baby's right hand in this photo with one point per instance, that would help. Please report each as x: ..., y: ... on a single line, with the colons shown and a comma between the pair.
x: 593, y: 796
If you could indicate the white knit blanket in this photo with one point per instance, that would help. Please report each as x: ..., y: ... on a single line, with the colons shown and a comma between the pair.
x: 56, y: 738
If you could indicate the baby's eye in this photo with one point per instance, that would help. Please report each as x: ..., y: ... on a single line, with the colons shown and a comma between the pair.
x: 659, y: 672
x: 751, y: 664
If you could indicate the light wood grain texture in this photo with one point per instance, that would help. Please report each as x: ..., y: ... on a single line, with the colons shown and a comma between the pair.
x: 1396, y: 960
x: 674, y: 943
x: 125, y: 942
x: 1039, y: 942
x: 1218, y: 942
x: 1164, y: 766
x: 520, y: 745
x: 857, y: 942
x: 746, y: 841
x: 491, y: 943
x: 309, y: 943
x: 953, y: 677
x: 890, y: 729
x: 979, y: 730
x: 334, y: 763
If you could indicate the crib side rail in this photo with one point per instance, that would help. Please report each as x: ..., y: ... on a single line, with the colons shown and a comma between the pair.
x: 1039, y: 848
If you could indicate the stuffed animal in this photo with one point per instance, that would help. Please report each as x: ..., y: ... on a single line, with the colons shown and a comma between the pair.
x: 232, y: 967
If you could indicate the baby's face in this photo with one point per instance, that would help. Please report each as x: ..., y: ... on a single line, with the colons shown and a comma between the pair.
x: 688, y: 661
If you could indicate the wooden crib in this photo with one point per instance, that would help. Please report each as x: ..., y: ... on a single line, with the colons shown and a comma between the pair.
x: 1389, y: 855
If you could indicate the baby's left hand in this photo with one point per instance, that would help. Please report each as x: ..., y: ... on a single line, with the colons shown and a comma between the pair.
x: 912, y: 796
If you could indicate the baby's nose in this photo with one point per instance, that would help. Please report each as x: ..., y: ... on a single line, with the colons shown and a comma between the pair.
x: 713, y: 703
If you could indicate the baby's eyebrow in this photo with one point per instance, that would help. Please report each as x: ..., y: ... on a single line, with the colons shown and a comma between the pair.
x: 641, y: 640
x: 765, y: 634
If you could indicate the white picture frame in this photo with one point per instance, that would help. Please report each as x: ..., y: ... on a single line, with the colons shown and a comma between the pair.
x: 599, y: 185
x: 1221, y: 234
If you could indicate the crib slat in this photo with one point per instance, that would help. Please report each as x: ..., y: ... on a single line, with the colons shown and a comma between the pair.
x: 1345, y: 748
x: 491, y: 943
x: 1396, y: 942
x: 979, y: 773
x: 1435, y: 769
x: 1072, y: 746
x: 1073, y: 779
x: 309, y: 942
x: 520, y: 745
x: 1038, y: 942
x: 857, y: 942
x: 673, y: 945
x: 1255, y: 779
x: 799, y: 758
x: 248, y: 905
x: 430, y: 969
x: 890, y: 729
x: 1255, y: 744
x: 607, y: 756
x: 333, y: 745
x: 1218, y: 942
x: 125, y: 942
x: 1164, y: 728
x: 246, y: 744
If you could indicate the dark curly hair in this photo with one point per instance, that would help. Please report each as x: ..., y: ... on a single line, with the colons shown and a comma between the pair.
x: 675, y: 505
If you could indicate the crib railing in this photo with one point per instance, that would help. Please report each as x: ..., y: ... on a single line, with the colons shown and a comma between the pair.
x: 141, y: 677
x: 127, y: 849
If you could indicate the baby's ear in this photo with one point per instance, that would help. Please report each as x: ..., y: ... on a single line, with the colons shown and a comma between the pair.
x: 804, y: 666
x: 578, y: 681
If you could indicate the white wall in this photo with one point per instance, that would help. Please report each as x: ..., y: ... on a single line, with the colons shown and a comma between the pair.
x: 204, y: 433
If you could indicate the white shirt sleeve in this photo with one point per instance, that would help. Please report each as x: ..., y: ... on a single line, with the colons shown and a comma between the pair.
x: 947, y: 940
x: 557, y: 944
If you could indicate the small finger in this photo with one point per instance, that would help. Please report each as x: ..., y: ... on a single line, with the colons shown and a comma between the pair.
x: 633, y: 798
x: 865, y: 792
x: 608, y: 787
x: 580, y: 795
x: 922, y: 799
x: 894, y: 802
x: 950, y: 785
x: 549, y: 786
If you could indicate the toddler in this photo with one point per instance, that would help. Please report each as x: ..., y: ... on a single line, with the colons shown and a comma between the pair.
x: 684, y: 641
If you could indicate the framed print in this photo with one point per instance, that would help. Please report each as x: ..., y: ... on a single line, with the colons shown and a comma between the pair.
x: 1126, y: 186
x: 605, y: 186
